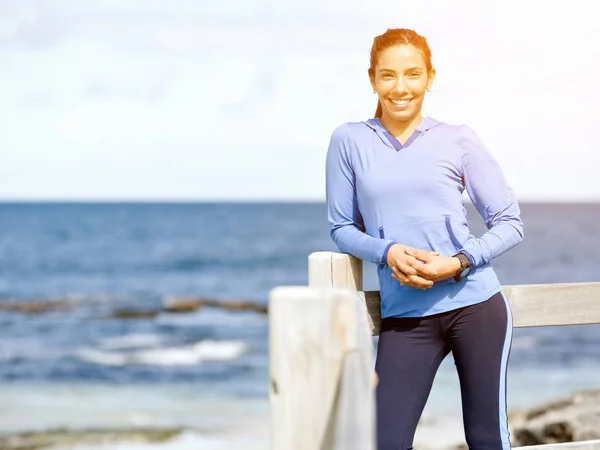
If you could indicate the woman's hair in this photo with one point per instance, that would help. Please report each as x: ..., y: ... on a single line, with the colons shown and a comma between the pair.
x: 391, y: 38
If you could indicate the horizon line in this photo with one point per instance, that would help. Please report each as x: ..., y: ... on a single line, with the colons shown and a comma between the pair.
x: 6, y: 201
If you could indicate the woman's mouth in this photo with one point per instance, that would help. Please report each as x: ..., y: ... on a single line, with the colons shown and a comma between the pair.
x: 400, y: 102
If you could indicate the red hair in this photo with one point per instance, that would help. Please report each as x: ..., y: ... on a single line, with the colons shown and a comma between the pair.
x: 391, y: 38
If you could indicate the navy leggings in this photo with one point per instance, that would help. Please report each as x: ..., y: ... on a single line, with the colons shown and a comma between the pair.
x: 409, y: 353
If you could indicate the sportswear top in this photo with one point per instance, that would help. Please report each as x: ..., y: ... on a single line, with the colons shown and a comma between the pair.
x: 380, y: 192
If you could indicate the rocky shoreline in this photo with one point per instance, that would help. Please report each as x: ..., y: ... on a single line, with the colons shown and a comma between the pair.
x: 38, y: 440
x: 172, y: 305
x: 568, y: 419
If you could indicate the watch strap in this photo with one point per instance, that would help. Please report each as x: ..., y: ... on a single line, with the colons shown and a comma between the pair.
x: 465, y: 265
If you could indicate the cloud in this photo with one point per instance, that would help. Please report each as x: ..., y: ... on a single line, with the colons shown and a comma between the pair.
x: 237, y: 99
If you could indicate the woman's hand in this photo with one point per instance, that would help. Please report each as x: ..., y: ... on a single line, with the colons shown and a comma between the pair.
x: 445, y: 266
x: 410, y: 266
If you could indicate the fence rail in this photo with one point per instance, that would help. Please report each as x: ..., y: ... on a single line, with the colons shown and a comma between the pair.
x: 321, y: 351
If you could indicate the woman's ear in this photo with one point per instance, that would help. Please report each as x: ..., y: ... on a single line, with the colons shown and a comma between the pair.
x: 430, y: 79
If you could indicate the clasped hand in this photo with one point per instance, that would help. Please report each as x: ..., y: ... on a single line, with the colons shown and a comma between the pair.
x: 420, y: 268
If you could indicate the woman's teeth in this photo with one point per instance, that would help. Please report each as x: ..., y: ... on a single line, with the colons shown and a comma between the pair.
x: 400, y: 102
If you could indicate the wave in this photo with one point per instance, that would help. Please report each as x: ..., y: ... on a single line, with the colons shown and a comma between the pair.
x: 200, y: 352
x: 131, y: 341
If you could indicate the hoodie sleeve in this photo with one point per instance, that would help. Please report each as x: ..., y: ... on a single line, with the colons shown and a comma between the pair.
x: 493, y: 199
x: 346, y: 224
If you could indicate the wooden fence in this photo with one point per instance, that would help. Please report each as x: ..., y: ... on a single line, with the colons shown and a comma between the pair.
x: 321, y: 351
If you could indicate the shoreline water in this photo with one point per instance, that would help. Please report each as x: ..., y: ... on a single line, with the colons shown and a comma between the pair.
x: 208, y: 369
x: 202, y: 415
x: 216, y: 421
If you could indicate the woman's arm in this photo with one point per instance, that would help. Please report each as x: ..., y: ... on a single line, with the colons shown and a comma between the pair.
x: 346, y: 223
x: 493, y: 199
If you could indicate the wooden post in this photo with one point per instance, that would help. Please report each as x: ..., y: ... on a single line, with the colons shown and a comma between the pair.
x: 320, y: 375
x: 334, y: 269
x: 355, y: 404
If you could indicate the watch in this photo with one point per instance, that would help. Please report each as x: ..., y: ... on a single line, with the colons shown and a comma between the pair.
x: 465, y: 267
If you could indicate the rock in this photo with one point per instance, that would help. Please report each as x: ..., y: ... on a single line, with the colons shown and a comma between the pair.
x: 183, y: 305
x: 131, y: 313
x: 187, y: 305
x: 35, y: 306
x: 37, y: 440
x: 568, y: 419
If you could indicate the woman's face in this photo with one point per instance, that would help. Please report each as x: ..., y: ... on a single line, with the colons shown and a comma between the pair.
x: 400, y: 81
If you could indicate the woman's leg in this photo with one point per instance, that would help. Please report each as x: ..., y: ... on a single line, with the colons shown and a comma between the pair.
x: 409, y: 354
x: 480, y: 337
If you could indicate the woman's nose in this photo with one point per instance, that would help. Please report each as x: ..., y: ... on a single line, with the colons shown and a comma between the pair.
x: 400, y: 86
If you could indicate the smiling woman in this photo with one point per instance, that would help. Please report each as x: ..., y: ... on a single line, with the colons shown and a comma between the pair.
x: 400, y: 74
x: 394, y: 196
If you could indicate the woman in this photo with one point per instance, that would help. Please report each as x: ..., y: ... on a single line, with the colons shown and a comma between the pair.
x: 394, y: 197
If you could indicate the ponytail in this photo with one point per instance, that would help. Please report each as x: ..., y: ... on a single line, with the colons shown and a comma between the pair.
x: 379, y: 110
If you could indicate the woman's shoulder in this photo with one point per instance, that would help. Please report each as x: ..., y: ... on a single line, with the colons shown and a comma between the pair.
x: 462, y: 134
x: 454, y: 128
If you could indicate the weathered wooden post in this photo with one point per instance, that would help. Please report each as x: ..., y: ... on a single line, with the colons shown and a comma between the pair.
x: 355, y: 412
x: 320, y: 376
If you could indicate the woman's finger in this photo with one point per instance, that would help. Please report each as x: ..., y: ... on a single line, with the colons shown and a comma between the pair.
x: 406, y: 268
x: 402, y: 283
x: 413, y: 280
x: 399, y: 275
x: 417, y: 281
x: 418, y: 268
x: 421, y: 255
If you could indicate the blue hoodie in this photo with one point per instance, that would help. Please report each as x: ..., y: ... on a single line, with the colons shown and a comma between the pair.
x: 380, y: 192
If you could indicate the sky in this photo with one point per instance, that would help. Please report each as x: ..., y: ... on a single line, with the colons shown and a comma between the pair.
x: 236, y: 100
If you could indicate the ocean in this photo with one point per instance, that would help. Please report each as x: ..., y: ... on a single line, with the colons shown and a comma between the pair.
x: 207, y: 371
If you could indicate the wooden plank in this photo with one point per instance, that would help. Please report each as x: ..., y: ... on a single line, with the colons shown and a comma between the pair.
x: 540, y: 305
x: 313, y: 341
x: 579, y: 445
x: 535, y: 305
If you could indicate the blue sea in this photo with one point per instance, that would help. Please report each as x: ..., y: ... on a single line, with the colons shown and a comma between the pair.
x: 207, y: 370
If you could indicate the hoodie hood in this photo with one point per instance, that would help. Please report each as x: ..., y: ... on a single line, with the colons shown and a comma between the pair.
x: 375, y: 124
